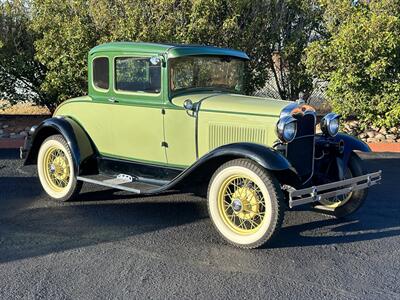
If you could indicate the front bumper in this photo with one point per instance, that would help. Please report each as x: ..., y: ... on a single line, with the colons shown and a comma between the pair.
x: 320, y: 192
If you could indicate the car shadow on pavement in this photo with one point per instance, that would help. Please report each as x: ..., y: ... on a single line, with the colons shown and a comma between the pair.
x: 9, y: 154
x: 107, y: 194
x: 17, y: 192
x: 32, y: 225
x: 333, y: 231
x: 40, y: 231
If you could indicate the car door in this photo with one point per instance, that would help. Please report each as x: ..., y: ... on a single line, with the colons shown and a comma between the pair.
x: 123, y: 115
x: 180, y: 135
x: 135, y: 104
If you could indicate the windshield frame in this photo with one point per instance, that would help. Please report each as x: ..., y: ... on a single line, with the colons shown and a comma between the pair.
x: 220, y: 89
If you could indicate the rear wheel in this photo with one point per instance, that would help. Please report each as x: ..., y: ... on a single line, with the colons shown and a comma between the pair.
x: 344, y: 205
x: 245, y: 203
x: 55, y: 169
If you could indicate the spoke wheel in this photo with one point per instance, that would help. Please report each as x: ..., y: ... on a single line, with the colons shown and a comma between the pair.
x: 349, y: 203
x: 245, y: 203
x: 341, y: 200
x: 241, y: 203
x: 56, y: 169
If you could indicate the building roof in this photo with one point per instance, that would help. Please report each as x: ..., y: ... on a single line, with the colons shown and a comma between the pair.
x: 171, y: 50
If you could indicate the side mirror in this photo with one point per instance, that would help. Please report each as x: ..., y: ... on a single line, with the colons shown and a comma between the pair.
x: 188, y: 104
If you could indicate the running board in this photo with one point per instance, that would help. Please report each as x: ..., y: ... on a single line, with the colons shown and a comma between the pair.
x: 121, y: 182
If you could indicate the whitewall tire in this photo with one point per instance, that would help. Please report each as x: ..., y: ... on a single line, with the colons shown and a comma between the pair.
x: 245, y: 203
x: 56, y: 169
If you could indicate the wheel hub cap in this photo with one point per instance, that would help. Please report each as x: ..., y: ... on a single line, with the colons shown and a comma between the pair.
x: 249, y: 205
x: 237, y: 205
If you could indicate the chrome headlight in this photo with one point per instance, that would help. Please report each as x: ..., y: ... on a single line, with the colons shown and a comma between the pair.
x: 330, y: 124
x: 286, y: 128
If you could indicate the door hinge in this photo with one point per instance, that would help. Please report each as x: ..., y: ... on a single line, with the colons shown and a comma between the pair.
x: 163, y: 111
x: 164, y: 144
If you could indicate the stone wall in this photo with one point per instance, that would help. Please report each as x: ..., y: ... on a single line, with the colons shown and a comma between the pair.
x: 372, y: 134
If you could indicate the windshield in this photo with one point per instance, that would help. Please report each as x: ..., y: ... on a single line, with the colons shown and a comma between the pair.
x: 206, y: 72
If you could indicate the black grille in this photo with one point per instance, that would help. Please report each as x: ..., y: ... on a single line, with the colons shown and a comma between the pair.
x: 300, y: 152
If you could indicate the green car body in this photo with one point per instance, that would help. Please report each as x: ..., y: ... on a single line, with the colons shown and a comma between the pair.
x: 116, y: 128
x: 161, y: 117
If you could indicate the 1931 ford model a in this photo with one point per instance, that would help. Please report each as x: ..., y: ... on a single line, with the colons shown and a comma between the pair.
x: 173, y: 117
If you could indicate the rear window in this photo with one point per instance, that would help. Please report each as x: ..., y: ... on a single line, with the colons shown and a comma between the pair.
x: 138, y: 74
x: 100, y: 73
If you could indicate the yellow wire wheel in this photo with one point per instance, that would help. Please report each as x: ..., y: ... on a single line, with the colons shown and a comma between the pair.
x: 241, y: 204
x: 338, y: 201
x: 344, y: 205
x: 245, y: 203
x: 55, y: 168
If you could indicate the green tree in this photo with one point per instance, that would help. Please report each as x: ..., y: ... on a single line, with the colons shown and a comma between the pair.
x: 68, y: 29
x: 21, y: 74
x: 260, y: 28
x: 359, y: 55
x: 66, y: 33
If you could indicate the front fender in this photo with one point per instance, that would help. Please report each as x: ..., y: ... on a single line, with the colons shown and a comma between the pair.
x: 270, y: 159
x: 78, y: 141
x: 267, y: 157
x: 350, y: 144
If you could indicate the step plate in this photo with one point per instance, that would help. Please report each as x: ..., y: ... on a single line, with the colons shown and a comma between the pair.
x: 120, y: 179
x: 119, y: 182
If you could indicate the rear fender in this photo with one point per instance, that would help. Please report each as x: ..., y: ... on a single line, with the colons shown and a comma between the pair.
x: 81, y: 146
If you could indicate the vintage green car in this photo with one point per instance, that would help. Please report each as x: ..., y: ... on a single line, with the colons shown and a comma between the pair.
x: 164, y: 117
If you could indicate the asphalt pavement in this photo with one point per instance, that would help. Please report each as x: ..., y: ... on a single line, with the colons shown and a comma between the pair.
x: 113, y: 245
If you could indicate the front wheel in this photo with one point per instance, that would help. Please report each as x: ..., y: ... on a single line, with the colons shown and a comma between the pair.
x: 245, y: 203
x: 344, y: 205
x: 55, y: 169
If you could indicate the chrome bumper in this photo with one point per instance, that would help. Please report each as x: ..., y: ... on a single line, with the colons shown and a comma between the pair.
x: 317, y: 193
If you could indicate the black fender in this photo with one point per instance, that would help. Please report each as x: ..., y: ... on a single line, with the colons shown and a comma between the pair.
x: 351, y: 144
x: 202, y: 170
x: 79, y: 142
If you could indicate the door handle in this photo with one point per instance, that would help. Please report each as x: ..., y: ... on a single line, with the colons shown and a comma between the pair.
x: 113, y: 100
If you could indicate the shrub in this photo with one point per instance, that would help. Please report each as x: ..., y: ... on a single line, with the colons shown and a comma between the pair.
x: 359, y: 54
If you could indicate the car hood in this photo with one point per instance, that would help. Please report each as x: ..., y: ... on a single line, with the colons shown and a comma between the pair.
x: 234, y: 103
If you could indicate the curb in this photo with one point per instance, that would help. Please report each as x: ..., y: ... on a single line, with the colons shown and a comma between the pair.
x: 385, y: 147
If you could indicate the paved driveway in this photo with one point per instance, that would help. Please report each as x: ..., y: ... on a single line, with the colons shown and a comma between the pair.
x: 114, y: 245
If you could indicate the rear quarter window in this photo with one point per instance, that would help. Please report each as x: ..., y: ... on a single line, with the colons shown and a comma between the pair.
x: 101, y: 78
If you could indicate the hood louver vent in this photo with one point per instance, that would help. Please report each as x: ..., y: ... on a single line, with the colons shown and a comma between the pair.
x: 222, y: 134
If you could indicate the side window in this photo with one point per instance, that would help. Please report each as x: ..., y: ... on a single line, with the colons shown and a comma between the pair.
x: 135, y: 74
x: 100, y: 73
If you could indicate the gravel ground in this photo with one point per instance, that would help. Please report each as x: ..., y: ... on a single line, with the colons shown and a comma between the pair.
x: 114, y: 245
